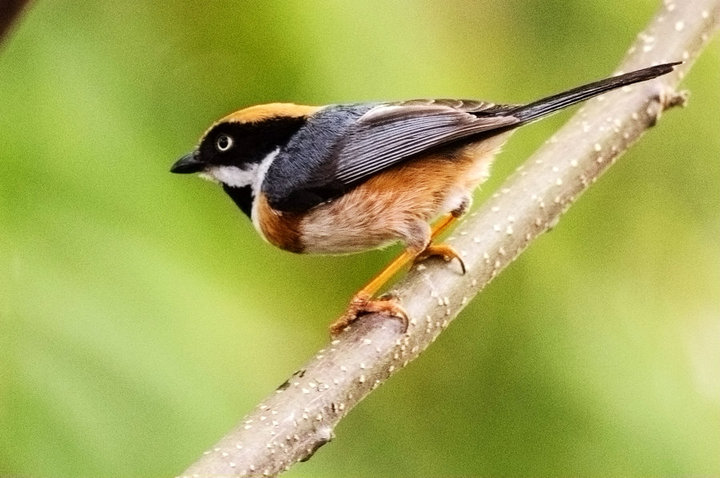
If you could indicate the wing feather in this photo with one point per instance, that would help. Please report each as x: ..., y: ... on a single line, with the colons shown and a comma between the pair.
x: 387, y: 135
x: 367, y: 139
x: 341, y: 146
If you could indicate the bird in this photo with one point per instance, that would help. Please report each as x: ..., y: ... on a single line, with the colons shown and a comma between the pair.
x: 346, y: 178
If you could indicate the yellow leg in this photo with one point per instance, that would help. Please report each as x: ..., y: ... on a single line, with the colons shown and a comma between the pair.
x: 445, y: 251
x: 376, y: 283
x: 362, y: 301
x: 441, y: 225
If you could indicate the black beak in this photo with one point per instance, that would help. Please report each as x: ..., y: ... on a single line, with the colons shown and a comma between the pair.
x: 188, y: 164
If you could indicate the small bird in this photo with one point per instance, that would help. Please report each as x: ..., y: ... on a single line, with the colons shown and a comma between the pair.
x: 346, y: 178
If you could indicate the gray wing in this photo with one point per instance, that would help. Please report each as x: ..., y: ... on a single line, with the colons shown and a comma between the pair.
x: 343, y: 146
x: 389, y: 134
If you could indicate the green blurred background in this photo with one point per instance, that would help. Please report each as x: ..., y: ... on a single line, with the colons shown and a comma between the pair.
x: 141, y: 316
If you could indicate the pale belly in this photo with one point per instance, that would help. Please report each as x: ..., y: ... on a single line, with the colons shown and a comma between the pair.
x: 398, y: 204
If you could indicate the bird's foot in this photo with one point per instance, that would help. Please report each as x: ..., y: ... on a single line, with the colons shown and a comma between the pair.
x: 446, y: 251
x: 362, y: 304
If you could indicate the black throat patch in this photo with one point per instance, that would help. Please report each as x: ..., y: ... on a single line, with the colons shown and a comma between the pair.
x: 242, y: 197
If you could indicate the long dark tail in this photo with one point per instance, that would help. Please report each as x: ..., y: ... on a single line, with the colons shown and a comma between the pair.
x: 551, y: 104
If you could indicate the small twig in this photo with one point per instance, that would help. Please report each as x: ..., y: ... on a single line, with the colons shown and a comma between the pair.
x: 300, y: 416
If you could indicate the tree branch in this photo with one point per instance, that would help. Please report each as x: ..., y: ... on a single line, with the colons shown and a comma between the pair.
x: 300, y: 416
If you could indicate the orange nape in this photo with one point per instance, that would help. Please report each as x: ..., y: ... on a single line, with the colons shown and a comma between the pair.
x: 363, y: 303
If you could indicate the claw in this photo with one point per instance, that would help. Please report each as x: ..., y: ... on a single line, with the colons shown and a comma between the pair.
x: 447, y: 252
x: 362, y: 304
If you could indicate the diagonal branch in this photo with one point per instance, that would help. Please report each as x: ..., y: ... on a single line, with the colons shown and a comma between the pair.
x: 299, y: 417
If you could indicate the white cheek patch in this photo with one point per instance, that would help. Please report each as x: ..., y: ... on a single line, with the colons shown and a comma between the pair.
x: 232, y: 175
x: 262, y: 170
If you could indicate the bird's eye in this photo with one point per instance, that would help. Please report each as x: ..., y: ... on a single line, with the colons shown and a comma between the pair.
x: 223, y: 143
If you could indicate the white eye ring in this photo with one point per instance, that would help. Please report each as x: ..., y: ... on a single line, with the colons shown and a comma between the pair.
x: 223, y: 143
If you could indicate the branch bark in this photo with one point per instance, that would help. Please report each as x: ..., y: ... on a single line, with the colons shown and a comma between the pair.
x: 300, y: 416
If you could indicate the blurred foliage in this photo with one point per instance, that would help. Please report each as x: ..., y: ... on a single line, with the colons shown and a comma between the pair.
x: 141, y: 316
